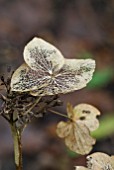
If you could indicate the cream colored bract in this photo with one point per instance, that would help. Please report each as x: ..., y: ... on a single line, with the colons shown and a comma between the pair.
x: 98, y: 161
x: 47, y: 72
x: 76, y: 131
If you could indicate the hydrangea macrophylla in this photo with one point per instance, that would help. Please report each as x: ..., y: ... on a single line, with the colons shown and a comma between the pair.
x: 47, y: 72
x: 98, y: 161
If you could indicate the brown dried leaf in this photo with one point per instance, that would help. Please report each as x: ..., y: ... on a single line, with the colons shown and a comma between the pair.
x: 76, y: 132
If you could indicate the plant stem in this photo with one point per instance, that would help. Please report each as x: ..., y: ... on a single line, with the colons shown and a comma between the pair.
x: 33, y: 105
x: 57, y: 113
x: 17, y: 146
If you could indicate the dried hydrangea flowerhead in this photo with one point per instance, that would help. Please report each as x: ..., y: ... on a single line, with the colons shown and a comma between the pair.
x: 76, y: 131
x: 98, y: 161
x: 47, y: 72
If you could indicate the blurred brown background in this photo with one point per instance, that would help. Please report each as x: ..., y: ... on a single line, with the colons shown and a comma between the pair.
x: 80, y: 29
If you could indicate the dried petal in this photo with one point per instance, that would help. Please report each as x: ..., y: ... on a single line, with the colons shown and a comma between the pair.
x: 98, y: 161
x: 48, y: 73
x: 39, y: 54
x: 64, y: 129
x: 81, y: 69
x: 26, y: 79
x: 69, y: 78
x: 87, y: 114
x: 76, y: 132
x: 79, y: 139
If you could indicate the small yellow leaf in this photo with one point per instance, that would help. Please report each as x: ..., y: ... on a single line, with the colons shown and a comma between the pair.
x: 76, y: 131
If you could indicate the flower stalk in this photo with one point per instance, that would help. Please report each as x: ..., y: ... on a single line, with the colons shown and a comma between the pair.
x: 16, y: 134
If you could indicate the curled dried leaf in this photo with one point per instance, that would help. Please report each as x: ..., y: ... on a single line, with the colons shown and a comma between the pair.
x: 76, y: 131
x: 98, y: 161
x: 47, y: 72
